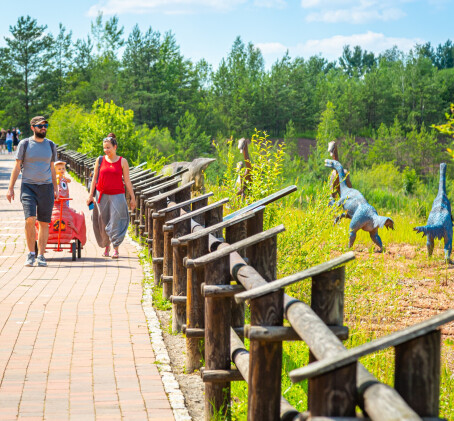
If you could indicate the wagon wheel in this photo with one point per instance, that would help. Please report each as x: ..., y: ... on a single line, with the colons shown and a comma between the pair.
x: 73, y: 250
x: 79, y: 249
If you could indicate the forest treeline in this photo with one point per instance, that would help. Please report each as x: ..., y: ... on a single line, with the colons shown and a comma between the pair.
x: 179, y: 106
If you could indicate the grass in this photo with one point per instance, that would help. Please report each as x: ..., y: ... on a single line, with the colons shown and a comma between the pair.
x: 373, y: 292
x: 374, y: 288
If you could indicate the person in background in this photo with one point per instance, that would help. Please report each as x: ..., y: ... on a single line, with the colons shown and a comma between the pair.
x: 2, y: 140
x: 9, y: 141
x: 15, y: 138
x: 110, y: 213
x: 36, y: 156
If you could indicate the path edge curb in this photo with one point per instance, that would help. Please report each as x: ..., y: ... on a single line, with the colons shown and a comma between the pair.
x: 171, y: 385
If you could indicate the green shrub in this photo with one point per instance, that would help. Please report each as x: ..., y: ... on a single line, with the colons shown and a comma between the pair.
x: 104, y: 118
x: 65, y: 125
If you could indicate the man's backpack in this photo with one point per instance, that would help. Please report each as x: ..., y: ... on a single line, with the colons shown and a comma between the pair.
x: 26, y: 141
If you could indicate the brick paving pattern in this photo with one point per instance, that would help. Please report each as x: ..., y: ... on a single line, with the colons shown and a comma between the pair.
x: 74, y: 341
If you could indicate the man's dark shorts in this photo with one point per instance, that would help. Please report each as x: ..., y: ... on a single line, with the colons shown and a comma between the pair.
x: 39, y: 196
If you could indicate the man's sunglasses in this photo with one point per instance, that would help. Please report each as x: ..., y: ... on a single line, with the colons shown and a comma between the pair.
x: 41, y: 126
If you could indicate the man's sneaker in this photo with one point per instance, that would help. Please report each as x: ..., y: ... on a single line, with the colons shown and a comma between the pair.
x: 30, y: 260
x: 41, y: 261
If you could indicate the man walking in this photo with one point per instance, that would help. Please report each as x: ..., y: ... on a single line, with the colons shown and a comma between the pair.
x: 35, y: 156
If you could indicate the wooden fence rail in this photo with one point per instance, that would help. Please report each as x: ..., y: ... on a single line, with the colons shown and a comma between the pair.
x: 211, y: 266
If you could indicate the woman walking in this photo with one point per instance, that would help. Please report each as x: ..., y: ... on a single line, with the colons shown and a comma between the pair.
x: 110, y: 213
x: 9, y: 141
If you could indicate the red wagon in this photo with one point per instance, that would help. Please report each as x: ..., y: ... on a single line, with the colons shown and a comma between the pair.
x: 67, y: 229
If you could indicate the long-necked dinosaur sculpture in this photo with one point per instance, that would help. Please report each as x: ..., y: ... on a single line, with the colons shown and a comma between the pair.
x: 363, y: 215
x: 439, y: 223
x: 334, y: 177
x: 246, y: 177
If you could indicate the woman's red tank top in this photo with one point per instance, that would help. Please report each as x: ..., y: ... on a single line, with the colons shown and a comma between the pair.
x: 110, y: 180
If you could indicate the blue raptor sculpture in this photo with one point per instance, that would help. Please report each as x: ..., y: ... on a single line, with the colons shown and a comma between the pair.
x: 363, y: 216
x: 439, y: 223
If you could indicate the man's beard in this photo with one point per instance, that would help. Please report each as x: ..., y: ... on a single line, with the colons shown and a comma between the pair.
x: 41, y: 135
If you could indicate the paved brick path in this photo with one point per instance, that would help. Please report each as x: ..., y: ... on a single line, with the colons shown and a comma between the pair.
x: 74, y: 342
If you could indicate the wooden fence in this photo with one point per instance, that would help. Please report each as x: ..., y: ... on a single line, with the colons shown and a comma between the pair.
x: 210, y: 266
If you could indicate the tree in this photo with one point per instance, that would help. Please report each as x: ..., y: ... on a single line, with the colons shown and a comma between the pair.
x: 357, y: 62
x: 53, y: 79
x: 327, y: 131
x: 192, y: 142
x: 236, y: 92
x: 27, y: 52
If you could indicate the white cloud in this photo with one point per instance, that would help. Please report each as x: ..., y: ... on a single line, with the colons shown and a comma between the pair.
x: 272, y: 48
x: 277, y: 4
x: 119, y: 7
x: 331, y: 48
x: 351, y: 11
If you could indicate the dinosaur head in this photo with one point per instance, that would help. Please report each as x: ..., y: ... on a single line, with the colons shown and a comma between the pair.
x: 331, y: 163
x: 200, y: 164
x: 242, y: 144
x: 332, y: 149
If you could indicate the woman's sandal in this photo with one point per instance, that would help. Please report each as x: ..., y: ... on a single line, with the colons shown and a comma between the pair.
x: 115, y: 255
x: 106, y: 252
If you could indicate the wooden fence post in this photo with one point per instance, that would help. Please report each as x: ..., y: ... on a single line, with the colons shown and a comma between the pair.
x: 179, y: 271
x: 217, y: 340
x: 179, y: 281
x: 167, y: 270
x: 417, y: 373
x: 265, y: 359
x: 158, y: 242
x: 327, y: 301
x: 195, y: 305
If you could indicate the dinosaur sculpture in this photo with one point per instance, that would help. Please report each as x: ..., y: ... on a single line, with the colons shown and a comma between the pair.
x: 334, y: 177
x: 195, y: 173
x: 439, y: 223
x: 246, y: 177
x: 363, y: 216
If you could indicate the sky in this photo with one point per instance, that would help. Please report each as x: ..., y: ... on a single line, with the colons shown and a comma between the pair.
x: 207, y: 28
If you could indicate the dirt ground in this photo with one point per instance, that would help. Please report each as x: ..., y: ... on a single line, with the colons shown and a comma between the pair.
x: 428, y: 290
x: 190, y: 384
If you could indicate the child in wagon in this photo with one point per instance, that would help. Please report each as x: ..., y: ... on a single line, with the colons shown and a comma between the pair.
x: 75, y: 220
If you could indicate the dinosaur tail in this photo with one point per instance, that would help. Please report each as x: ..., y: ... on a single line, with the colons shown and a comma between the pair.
x: 383, y: 221
x: 435, y: 231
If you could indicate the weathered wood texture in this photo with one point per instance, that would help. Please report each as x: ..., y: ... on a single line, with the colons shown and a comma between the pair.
x: 396, y: 338
x: 417, y: 373
x: 158, y: 242
x: 186, y: 205
x: 195, y: 307
x: 297, y: 277
x: 240, y: 356
x: 234, y: 233
x: 167, y: 287
x: 217, y: 339
x: 327, y: 296
x: 264, y: 393
x: 263, y: 202
x: 334, y: 393
x: 179, y: 253
x: 220, y: 376
x: 179, y: 275
x: 380, y: 401
x: 232, y: 249
x: 149, y: 227
x: 285, y: 333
